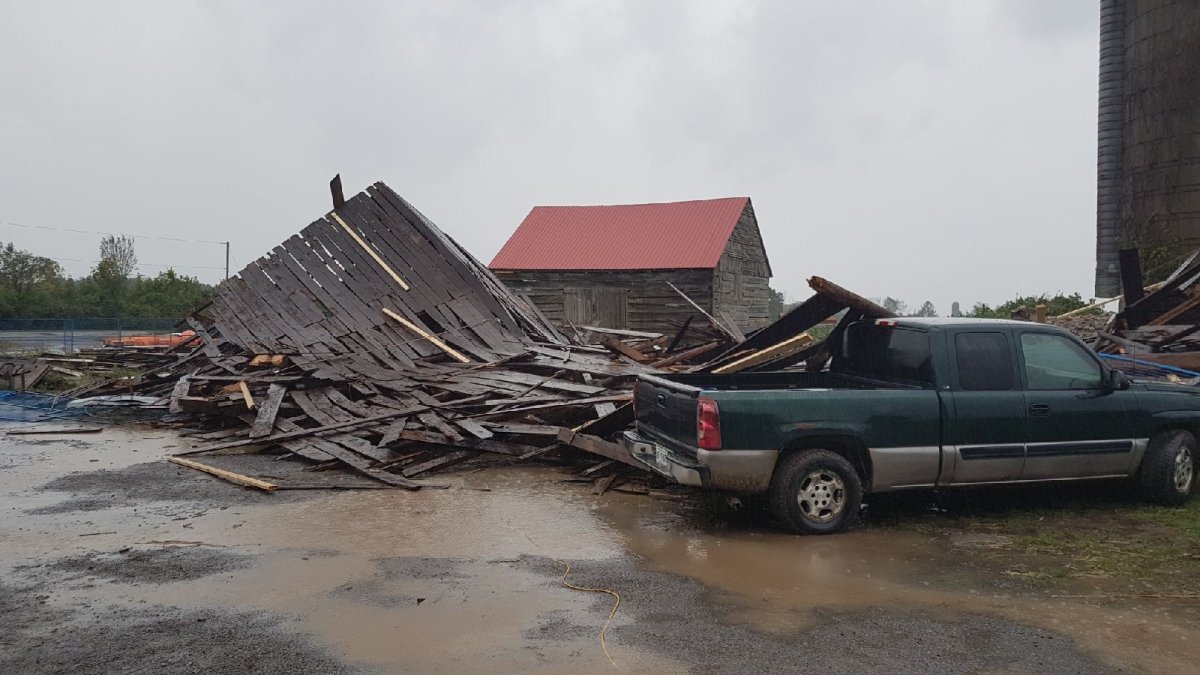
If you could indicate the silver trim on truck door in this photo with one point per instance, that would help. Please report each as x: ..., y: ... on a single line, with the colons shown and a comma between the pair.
x: 897, y: 468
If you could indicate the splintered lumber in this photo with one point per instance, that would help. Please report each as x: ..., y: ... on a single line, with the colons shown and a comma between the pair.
x: 474, y: 428
x: 370, y: 251
x: 66, y: 371
x: 711, y: 319
x: 301, y: 433
x: 392, y: 433
x: 265, y: 421
x: 682, y: 331
x: 230, y: 476
x: 848, y: 299
x: 618, y: 347
x: 431, y: 338
x: 598, y: 446
x: 437, y: 462
x: 245, y: 389
x: 611, y: 423
x: 804, y: 316
x: 54, y: 429
x: 561, y: 404
x: 774, y: 351
x: 1131, y: 275
x: 1190, y: 303
x: 180, y: 390
x: 685, y: 355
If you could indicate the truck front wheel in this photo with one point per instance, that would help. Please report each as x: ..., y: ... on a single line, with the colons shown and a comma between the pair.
x: 1169, y: 468
x: 815, y: 492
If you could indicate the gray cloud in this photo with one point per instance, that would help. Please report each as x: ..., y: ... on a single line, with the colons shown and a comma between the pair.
x: 926, y: 150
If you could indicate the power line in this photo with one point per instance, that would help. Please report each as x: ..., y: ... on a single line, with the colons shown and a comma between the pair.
x: 141, y: 264
x: 112, y: 234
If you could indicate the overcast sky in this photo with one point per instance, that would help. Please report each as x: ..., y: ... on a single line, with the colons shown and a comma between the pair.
x: 925, y: 149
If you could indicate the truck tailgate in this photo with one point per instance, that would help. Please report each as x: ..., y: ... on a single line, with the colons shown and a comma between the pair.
x: 666, y: 410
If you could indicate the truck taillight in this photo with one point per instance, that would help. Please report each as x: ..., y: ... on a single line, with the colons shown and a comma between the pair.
x: 708, y: 425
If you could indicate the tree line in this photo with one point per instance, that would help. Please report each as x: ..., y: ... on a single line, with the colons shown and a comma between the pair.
x: 35, y: 287
x: 1055, y: 305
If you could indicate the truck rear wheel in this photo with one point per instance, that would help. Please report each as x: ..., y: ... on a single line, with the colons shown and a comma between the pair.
x: 1169, y: 468
x: 815, y: 492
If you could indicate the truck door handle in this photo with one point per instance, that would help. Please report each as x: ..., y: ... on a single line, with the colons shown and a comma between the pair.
x: 1039, y: 410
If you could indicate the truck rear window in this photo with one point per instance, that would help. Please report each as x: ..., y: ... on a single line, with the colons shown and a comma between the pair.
x: 886, y: 353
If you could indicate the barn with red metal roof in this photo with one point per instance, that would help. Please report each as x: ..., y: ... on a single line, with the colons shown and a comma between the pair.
x: 614, y: 265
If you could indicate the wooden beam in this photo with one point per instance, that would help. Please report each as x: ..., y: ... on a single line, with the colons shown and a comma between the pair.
x: 716, y: 324
x: 301, y: 433
x: 245, y: 389
x: 230, y: 476
x: 617, y: 347
x: 1190, y: 303
x: 265, y: 421
x: 804, y: 316
x: 370, y: 251
x: 1131, y: 275
x: 599, y: 446
x: 335, y: 191
x: 682, y: 331
x: 428, y: 336
x: 848, y: 298
x: 754, y: 358
x: 685, y: 355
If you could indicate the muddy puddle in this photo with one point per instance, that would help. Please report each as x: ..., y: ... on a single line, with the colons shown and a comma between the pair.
x: 465, y: 579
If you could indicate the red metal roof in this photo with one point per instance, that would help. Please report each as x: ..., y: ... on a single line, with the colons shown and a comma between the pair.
x: 675, y: 235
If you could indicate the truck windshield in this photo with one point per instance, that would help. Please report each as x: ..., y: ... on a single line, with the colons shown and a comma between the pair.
x: 886, y: 353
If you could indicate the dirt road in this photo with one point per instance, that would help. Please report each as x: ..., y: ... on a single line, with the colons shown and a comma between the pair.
x: 113, y: 560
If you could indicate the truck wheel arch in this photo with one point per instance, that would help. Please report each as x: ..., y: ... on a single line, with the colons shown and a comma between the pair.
x: 850, y: 447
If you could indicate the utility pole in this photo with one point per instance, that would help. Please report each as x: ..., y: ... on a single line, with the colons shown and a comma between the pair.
x: 226, y: 261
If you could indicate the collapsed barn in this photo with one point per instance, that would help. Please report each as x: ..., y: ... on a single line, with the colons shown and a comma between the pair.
x: 644, y: 267
x: 372, y: 341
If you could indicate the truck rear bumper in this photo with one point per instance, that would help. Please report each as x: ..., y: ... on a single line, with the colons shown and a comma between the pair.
x: 746, y: 471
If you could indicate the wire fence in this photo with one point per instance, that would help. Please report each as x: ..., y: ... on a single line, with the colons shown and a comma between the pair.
x: 67, y: 336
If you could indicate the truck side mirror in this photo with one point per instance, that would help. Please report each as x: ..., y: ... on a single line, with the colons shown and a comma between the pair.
x: 1117, y: 381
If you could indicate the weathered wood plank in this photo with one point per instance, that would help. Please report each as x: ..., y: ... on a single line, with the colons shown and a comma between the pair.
x: 264, y: 422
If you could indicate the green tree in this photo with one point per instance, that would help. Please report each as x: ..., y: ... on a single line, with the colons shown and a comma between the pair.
x: 775, y: 304
x: 895, y: 306
x: 119, y: 251
x: 1055, y: 305
x: 21, y: 271
x: 927, y: 309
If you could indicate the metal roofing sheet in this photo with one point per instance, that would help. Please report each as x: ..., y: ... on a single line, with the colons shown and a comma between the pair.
x: 673, y: 235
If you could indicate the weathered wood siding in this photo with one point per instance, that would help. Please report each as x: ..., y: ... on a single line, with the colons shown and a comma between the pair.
x: 741, y: 288
x: 649, y: 303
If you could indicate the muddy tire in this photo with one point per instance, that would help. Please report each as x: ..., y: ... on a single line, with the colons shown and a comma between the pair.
x: 815, y: 492
x: 1168, y: 474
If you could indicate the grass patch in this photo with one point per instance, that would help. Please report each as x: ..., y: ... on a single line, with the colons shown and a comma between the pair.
x: 1057, y: 535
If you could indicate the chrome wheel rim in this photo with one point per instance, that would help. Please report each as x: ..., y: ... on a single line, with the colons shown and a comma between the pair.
x: 1184, y: 470
x: 822, y: 496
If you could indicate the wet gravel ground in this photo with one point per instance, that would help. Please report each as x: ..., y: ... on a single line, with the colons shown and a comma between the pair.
x: 680, y: 618
x: 39, y: 637
x: 81, y: 612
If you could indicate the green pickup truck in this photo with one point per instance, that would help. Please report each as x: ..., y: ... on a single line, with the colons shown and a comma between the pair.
x: 918, y: 403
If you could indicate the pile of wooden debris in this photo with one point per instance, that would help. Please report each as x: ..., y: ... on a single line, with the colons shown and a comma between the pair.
x: 1159, y: 324
x: 371, y: 340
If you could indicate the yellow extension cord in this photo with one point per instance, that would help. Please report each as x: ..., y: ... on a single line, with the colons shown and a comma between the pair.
x: 566, y: 584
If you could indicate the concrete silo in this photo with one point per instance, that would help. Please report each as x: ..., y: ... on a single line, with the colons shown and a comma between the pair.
x: 1148, y: 168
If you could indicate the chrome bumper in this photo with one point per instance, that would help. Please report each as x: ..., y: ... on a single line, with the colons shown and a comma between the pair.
x: 660, y: 460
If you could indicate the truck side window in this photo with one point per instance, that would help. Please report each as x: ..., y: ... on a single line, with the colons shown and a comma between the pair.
x: 1054, y: 362
x: 985, y: 362
x: 886, y: 353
